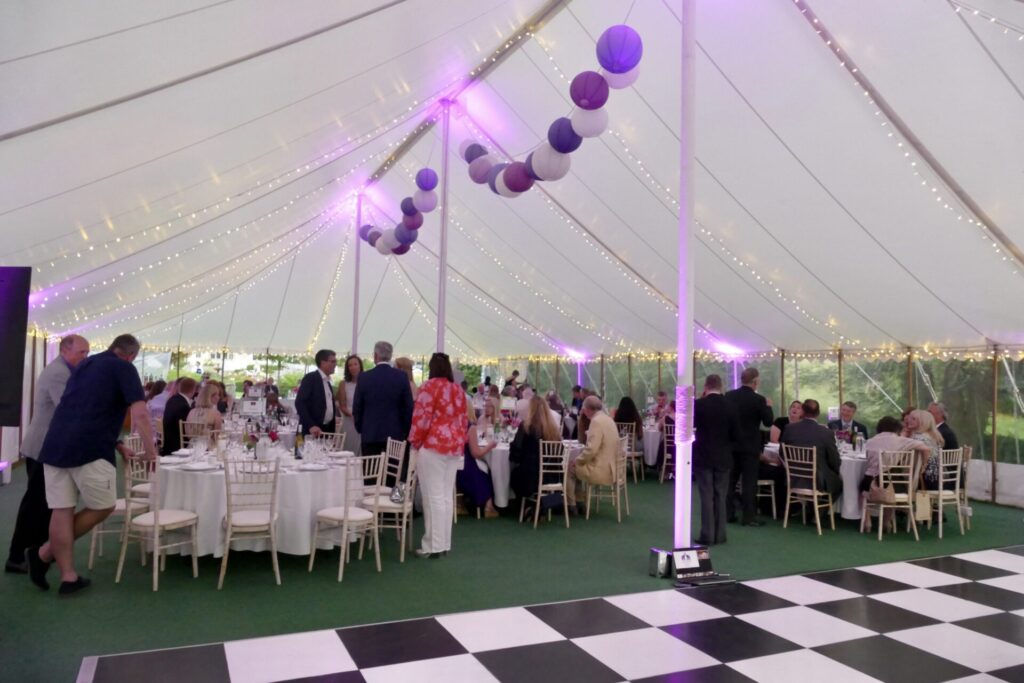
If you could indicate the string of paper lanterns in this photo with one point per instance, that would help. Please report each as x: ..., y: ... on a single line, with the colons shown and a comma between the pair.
x: 619, y: 50
x: 399, y: 239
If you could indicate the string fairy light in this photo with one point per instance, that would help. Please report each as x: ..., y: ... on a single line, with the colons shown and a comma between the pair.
x: 329, y: 304
x: 1008, y: 28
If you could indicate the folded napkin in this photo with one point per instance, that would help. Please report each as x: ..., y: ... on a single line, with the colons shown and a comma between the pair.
x: 173, y: 460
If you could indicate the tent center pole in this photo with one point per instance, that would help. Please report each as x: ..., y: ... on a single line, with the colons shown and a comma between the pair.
x: 442, y: 270
x: 355, y: 284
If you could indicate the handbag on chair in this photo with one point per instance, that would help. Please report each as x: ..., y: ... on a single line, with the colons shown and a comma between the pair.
x: 877, y: 494
x: 922, y: 506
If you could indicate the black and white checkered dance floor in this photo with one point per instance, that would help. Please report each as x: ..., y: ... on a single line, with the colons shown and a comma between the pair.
x: 942, y: 619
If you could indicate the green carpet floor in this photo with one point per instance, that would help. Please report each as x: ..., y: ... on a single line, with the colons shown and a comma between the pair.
x: 496, y: 563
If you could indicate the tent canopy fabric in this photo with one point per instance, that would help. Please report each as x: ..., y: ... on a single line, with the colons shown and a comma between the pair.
x: 187, y: 171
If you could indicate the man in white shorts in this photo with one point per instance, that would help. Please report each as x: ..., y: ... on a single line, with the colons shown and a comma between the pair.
x: 78, y: 455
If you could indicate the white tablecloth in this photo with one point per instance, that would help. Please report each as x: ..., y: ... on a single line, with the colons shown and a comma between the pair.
x: 652, y: 443
x: 501, y: 470
x: 851, y: 469
x: 299, y: 496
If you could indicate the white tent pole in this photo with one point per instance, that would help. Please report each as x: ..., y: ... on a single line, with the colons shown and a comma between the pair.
x: 684, y: 328
x: 355, y: 286
x: 442, y: 270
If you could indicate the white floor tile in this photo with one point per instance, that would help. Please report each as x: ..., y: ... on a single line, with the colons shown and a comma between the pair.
x: 296, y: 655
x: 1011, y: 583
x: 662, y: 608
x: 913, y: 575
x: 979, y: 678
x: 644, y: 652
x: 801, y: 590
x: 963, y: 646
x: 935, y: 605
x: 457, y: 669
x: 995, y: 558
x: 805, y: 626
x: 498, y: 628
x: 799, y: 665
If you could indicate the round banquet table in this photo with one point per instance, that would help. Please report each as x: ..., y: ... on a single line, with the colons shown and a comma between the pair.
x: 300, y: 495
x: 652, y: 443
x: 501, y: 471
x: 851, y: 469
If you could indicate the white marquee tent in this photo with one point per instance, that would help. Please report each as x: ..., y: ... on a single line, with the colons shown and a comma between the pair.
x: 187, y: 171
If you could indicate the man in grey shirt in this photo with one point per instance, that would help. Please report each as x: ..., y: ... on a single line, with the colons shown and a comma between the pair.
x: 32, y: 526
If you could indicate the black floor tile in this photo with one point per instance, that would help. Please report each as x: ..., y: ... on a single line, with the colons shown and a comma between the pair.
x: 398, y: 642
x: 1004, y: 626
x: 1016, y: 549
x: 730, y: 639
x: 709, y: 674
x: 999, y: 598
x: 586, y: 618
x: 892, y: 661
x: 859, y: 582
x: 962, y: 568
x: 343, y: 677
x: 736, y: 598
x: 1013, y: 674
x: 201, y: 664
x: 556, y: 662
x: 874, y: 615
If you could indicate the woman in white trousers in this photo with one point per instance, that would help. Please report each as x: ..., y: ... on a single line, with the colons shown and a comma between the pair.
x: 439, y: 427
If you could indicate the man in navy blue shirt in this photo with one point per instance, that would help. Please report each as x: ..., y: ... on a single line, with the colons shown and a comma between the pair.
x: 78, y: 454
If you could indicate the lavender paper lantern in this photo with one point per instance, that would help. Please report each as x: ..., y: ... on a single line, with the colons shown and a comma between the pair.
x: 373, y: 236
x: 404, y: 235
x: 562, y: 137
x: 589, y: 90
x: 408, y: 208
x: 623, y: 80
x: 619, y: 49
x: 426, y: 179
x: 492, y: 176
x: 480, y: 167
x: 425, y: 200
x: 529, y: 167
x: 364, y: 231
x: 390, y: 239
x: 589, y: 123
x: 401, y: 249
x: 474, y: 151
x: 517, y: 178
x: 549, y: 164
x: 412, y: 222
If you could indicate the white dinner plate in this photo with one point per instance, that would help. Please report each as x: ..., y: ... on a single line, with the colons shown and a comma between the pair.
x: 200, y: 467
x: 182, y: 451
x: 312, y: 467
x: 341, y: 454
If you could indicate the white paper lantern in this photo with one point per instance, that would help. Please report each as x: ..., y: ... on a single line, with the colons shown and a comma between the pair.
x: 382, y: 246
x: 502, y: 188
x: 589, y: 123
x: 463, y: 146
x: 623, y: 80
x: 549, y: 164
x: 390, y: 239
x: 425, y: 200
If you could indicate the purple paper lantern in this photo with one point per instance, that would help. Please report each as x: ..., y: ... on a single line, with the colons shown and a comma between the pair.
x: 619, y: 49
x: 492, y: 176
x: 404, y: 235
x: 529, y: 167
x: 426, y: 179
x: 408, y: 208
x: 480, y: 167
x: 401, y: 249
x: 365, y: 231
x: 589, y: 90
x: 373, y: 236
x: 517, y: 178
x: 474, y: 151
x: 562, y: 137
x: 413, y: 222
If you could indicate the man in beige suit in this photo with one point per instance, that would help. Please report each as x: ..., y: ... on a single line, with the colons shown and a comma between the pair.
x: 596, y: 464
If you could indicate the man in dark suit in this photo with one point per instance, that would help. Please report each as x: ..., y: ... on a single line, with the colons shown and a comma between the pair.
x: 714, y: 420
x: 314, y: 401
x: 847, y: 424
x: 752, y: 411
x: 807, y: 432
x: 382, y: 407
x: 949, y: 439
x: 175, y: 412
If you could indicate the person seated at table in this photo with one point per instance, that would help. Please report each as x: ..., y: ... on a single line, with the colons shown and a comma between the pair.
x: 846, y: 425
x: 491, y: 414
x: 949, y: 439
x: 596, y: 464
x: 920, y: 426
x: 226, y: 402
x: 662, y: 407
x: 887, y: 438
x: 525, y: 449
x: 796, y: 413
x: 473, y: 480
x: 523, y: 403
x: 276, y: 409
x: 205, y: 410
x: 555, y: 402
x: 627, y: 413
x: 807, y: 432
x: 247, y: 386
